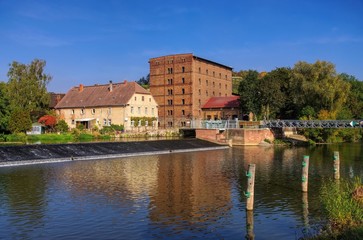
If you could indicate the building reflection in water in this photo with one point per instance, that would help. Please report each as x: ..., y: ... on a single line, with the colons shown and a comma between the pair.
x: 178, y: 188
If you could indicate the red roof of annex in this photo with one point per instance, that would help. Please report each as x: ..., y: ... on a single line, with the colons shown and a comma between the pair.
x: 222, y: 102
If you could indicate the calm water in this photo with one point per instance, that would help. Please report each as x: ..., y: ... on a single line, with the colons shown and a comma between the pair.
x: 195, y: 195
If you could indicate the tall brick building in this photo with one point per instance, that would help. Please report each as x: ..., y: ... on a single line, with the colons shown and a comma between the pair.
x: 182, y: 83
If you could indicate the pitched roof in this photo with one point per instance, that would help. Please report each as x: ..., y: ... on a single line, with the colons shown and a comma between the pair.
x: 100, y: 95
x: 222, y: 102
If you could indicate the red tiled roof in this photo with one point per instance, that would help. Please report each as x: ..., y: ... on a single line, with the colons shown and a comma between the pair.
x: 222, y: 102
x: 100, y: 95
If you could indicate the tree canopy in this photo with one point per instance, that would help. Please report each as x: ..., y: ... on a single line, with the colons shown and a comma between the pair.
x: 307, y: 91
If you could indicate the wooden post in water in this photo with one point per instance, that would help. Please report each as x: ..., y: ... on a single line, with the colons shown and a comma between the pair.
x: 305, y: 174
x: 250, y: 186
x: 336, y: 165
x: 249, y: 225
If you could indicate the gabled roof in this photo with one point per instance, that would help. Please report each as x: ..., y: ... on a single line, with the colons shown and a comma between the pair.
x: 222, y: 102
x: 100, y: 95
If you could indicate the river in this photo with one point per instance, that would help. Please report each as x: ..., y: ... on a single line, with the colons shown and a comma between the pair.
x: 194, y: 195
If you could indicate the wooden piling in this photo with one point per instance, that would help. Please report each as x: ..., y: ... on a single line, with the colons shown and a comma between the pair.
x: 250, y: 186
x: 305, y: 174
x: 249, y: 225
x: 336, y: 165
x: 305, y: 206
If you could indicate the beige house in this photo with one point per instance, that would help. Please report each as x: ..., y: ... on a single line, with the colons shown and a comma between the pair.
x: 103, y: 105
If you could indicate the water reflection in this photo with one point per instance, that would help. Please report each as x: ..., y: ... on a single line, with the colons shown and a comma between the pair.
x: 179, y: 196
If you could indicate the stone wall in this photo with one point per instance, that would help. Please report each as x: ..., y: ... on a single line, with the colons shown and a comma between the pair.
x: 236, y: 136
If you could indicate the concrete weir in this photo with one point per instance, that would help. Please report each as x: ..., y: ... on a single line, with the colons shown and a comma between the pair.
x: 35, y: 154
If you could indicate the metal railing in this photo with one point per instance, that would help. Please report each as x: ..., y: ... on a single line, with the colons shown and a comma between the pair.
x: 313, y: 123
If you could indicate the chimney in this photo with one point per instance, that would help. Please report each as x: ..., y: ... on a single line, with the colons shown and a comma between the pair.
x: 80, y: 88
x: 110, y: 87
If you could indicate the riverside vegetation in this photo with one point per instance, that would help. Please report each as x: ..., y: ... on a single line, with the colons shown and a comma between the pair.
x: 342, y: 202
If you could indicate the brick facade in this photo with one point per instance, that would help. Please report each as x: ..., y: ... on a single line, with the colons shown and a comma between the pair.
x: 181, y: 84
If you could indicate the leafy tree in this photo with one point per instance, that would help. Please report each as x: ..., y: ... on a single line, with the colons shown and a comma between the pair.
x: 273, y: 91
x: 354, y: 103
x: 19, y: 121
x: 49, y: 121
x: 250, y: 93
x: 4, y: 109
x: 321, y: 87
x: 61, y: 126
x: 26, y: 87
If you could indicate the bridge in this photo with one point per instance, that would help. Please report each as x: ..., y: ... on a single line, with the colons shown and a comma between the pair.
x: 313, y: 123
x: 232, y: 124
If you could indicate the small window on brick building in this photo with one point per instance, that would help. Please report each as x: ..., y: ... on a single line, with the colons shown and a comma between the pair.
x: 183, y: 91
x: 206, y: 81
x: 206, y: 71
x: 199, y: 92
x: 183, y: 101
x: 214, y: 74
x: 199, y: 70
x: 183, y: 80
x: 183, y: 69
x: 200, y: 81
x: 183, y: 112
x: 220, y: 75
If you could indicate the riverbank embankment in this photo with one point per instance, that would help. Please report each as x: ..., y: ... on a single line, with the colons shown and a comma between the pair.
x: 34, y: 154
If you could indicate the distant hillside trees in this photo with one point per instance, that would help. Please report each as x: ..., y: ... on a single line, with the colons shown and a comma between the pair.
x: 144, y: 82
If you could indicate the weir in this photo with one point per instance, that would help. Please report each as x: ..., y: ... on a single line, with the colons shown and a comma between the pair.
x: 28, y: 154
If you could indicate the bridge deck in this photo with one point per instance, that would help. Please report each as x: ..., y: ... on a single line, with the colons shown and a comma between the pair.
x: 313, y: 123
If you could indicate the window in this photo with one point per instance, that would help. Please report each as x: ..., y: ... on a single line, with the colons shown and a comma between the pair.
x: 183, y: 91
x: 145, y: 110
x: 82, y: 111
x: 170, y: 102
x: 72, y: 112
x: 226, y: 76
x: 206, y: 71
x: 142, y: 98
x: 220, y: 75
x: 213, y: 84
x: 105, y: 121
x: 183, y: 60
x: 200, y: 102
x: 135, y: 98
x: 199, y: 92
x: 206, y: 81
x: 170, y: 81
x: 226, y: 86
x: 149, y: 99
x: 170, y: 91
x: 109, y: 122
x: 170, y: 70
x: 213, y: 93
x: 199, y: 70
x: 206, y: 93
x: 183, y: 69
x: 183, y: 80
x: 183, y: 101
x: 183, y: 112
x: 93, y: 111
x: 214, y: 74
x: 139, y: 110
x: 132, y: 109
x: 72, y: 121
x: 200, y: 81
x: 220, y: 85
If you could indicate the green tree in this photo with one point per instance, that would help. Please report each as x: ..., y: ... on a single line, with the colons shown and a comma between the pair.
x: 250, y: 93
x: 354, y: 103
x: 61, y: 126
x: 20, y: 121
x: 4, y: 109
x: 26, y: 87
x: 274, y: 92
x: 322, y: 88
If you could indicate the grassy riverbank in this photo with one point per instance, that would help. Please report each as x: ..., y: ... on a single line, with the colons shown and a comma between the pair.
x: 81, y: 136
x: 343, y: 204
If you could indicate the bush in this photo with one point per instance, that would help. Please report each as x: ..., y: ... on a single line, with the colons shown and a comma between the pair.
x: 62, y: 126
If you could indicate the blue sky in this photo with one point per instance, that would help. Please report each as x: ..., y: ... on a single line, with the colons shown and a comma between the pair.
x: 94, y: 41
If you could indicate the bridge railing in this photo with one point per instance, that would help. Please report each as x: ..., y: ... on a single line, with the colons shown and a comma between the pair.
x: 215, y: 124
x: 313, y: 123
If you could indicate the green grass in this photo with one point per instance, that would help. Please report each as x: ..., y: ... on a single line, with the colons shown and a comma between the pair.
x: 345, y: 214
